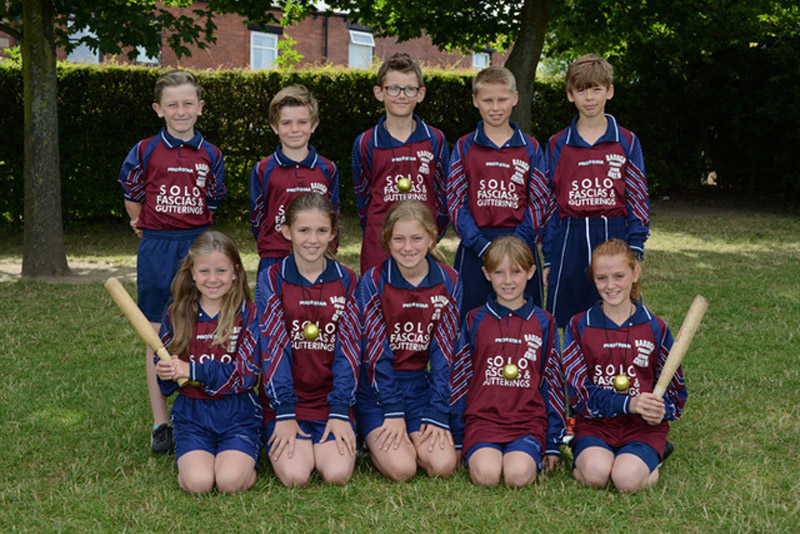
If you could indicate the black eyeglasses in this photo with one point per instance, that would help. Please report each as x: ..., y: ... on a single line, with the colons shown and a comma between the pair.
x: 394, y: 90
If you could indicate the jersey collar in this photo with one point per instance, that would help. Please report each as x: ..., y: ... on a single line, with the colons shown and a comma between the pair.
x: 435, y: 275
x: 291, y: 274
x: 283, y: 160
x: 612, y: 134
x: 596, y: 318
x: 383, y: 139
x: 172, y: 142
x: 499, y: 311
x: 517, y: 138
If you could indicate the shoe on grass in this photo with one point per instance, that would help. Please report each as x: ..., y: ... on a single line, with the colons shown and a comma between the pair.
x: 668, y: 449
x: 161, y: 439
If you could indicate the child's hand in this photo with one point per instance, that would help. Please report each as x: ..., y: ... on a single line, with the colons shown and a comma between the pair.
x: 650, y: 407
x: 283, y: 437
x: 550, y: 461
x: 391, y: 432
x: 138, y: 231
x: 343, y: 433
x: 434, y: 433
x: 545, y: 275
x: 173, y: 369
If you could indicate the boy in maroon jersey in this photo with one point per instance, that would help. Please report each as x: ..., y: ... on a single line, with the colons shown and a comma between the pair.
x: 172, y: 184
x: 497, y: 185
x: 398, y: 159
x: 294, y: 168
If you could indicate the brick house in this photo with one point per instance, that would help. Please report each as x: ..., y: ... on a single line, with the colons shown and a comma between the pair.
x: 321, y: 39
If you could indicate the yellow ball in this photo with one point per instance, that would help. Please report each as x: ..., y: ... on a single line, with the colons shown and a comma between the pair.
x: 404, y: 185
x: 622, y: 382
x: 311, y: 332
x: 510, y: 372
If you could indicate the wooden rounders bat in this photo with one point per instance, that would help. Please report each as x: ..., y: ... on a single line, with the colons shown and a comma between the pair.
x: 143, y: 327
x: 681, y: 345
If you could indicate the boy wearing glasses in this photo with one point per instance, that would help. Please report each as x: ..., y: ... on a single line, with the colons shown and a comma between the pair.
x: 400, y: 158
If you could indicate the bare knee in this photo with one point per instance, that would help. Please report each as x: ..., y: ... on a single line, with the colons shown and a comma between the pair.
x: 519, y: 479
x: 592, y: 475
x: 336, y: 473
x: 233, y: 482
x: 440, y: 466
x: 626, y: 482
x: 484, y: 475
x: 196, y: 481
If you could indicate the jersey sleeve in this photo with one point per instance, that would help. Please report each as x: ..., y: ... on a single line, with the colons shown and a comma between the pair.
x: 676, y: 395
x: 585, y: 397
x: 552, y: 390
x: 458, y: 202
x: 362, y: 179
x: 637, y: 198
x: 131, y: 175
x: 460, y: 379
x: 275, y: 347
x: 551, y: 218
x: 441, y: 172
x: 241, y: 375
x: 347, y: 356
x: 216, y: 180
x: 257, y: 200
x: 167, y: 387
x: 377, y: 356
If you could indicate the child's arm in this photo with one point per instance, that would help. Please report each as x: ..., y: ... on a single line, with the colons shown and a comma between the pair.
x: 552, y: 390
x: 134, y: 209
x: 167, y: 387
x: 551, y: 216
x: 458, y: 203
x: 441, y: 172
x: 215, y: 180
x: 460, y: 379
x: 347, y: 357
x: 637, y: 198
x: 257, y: 200
x: 676, y: 394
x: 362, y: 179
x: 537, y: 196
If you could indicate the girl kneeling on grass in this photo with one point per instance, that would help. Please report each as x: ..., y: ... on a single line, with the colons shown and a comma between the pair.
x: 515, y: 402
x: 211, y: 328
x: 409, y: 312
x: 613, y: 356
x: 308, y: 382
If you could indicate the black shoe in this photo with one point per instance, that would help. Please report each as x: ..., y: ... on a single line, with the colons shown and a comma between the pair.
x: 161, y: 439
x: 668, y: 449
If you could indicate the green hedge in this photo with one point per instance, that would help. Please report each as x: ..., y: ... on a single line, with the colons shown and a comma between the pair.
x: 104, y: 110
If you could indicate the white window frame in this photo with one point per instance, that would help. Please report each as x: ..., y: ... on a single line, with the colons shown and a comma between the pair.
x: 481, y: 60
x: 359, y: 49
x: 82, y: 53
x: 254, y: 47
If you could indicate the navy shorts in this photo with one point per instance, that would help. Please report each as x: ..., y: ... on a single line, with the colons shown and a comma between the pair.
x: 643, y: 451
x: 159, y: 255
x: 527, y: 444
x: 314, y: 428
x: 415, y: 387
x: 216, y: 425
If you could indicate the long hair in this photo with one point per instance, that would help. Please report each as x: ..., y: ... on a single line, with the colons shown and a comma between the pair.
x: 186, y: 297
x: 314, y: 201
x: 618, y: 247
x: 411, y: 210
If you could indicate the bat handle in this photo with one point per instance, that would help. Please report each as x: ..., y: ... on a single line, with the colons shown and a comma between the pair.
x: 163, y: 354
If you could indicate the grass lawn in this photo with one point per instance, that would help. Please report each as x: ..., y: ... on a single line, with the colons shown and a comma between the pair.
x: 74, y: 416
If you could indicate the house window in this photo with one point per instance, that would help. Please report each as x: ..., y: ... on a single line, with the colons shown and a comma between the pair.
x: 359, y: 51
x: 480, y: 60
x: 82, y: 53
x: 143, y: 58
x: 263, y: 50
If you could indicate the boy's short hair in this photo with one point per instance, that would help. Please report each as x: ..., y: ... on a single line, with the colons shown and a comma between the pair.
x: 293, y: 96
x: 589, y: 71
x: 174, y: 78
x: 400, y: 62
x: 494, y: 75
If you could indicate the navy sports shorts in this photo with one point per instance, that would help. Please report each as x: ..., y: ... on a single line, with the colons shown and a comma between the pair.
x: 643, y: 451
x: 314, y: 428
x: 415, y: 387
x: 527, y: 444
x: 157, y: 260
x: 215, y: 425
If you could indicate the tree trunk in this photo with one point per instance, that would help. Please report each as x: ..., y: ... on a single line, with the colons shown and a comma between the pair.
x: 524, y: 57
x: 43, y: 251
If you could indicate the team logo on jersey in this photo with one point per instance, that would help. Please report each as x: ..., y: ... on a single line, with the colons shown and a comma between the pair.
x: 202, y: 170
x: 234, y: 338
x: 534, y: 343
x: 338, y: 307
x: 644, y: 349
x: 317, y: 187
x: 439, y: 302
x: 425, y: 159
x: 521, y: 168
x: 615, y: 163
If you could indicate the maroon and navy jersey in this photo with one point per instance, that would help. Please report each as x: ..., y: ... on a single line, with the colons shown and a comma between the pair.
x: 499, y: 410
x: 595, y: 351
x: 217, y: 370
x: 179, y: 183
x: 497, y: 187
x: 306, y: 379
x: 379, y: 161
x: 606, y: 179
x: 274, y: 182
x: 407, y: 328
